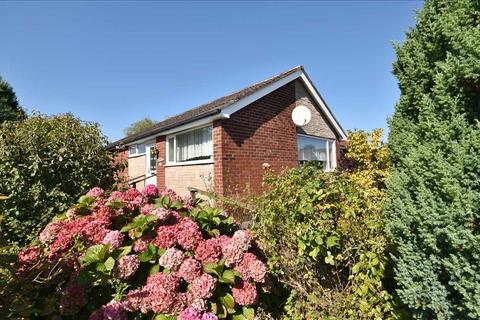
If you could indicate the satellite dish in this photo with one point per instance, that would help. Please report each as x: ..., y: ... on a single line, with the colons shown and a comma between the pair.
x: 301, y: 115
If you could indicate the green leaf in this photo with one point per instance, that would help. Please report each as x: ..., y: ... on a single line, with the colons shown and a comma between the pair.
x: 227, y: 301
x: 87, y: 275
x: 249, y: 313
x: 228, y: 276
x: 145, y: 256
x: 329, y: 259
x: 213, y: 268
x: 154, y: 269
x: 332, y: 241
x: 109, y: 264
x: 95, y: 253
x: 120, y: 252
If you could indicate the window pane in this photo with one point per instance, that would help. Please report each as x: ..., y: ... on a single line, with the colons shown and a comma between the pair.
x: 132, y: 150
x: 171, y: 150
x: 332, y: 155
x: 141, y: 148
x: 153, y: 159
x: 194, y: 145
x: 312, y: 149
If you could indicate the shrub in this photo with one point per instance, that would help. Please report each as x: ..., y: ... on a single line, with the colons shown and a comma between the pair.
x: 46, y: 163
x: 323, y: 235
x: 434, y: 190
x: 142, y: 256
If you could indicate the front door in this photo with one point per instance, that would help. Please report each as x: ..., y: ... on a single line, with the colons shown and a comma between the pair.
x: 151, y: 165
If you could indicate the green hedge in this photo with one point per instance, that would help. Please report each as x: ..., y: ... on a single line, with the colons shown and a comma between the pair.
x: 46, y: 163
x: 323, y: 235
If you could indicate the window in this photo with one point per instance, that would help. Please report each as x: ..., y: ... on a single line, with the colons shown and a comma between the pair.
x: 191, y: 146
x: 317, y: 149
x: 137, y: 149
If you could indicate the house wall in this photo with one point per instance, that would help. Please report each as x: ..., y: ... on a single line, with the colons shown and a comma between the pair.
x: 136, y: 168
x: 179, y: 178
x: 262, y: 132
x: 318, y: 126
x: 160, y: 145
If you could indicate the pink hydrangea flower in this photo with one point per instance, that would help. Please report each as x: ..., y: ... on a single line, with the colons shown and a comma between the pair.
x: 29, y: 255
x: 190, y: 269
x: 162, y: 214
x: 189, y: 234
x: 208, y: 251
x: 233, y: 251
x: 171, y: 259
x: 114, y: 310
x: 71, y: 214
x: 137, y: 300
x: 90, y: 229
x: 209, y: 316
x: 126, y: 266
x: 190, y: 314
x: 114, y: 238
x: 196, y: 303
x: 147, y: 209
x: 251, y: 268
x: 150, y: 190
x: 245, y: 293
x: 50, y: 231
x: 166, y: 236
x: 115, y: 195
x: 131, y: 194
x: 163, y: 294
x: 141, y: 244
x: 73, y: 298
x: 95, y: 192
x: 203, y: 286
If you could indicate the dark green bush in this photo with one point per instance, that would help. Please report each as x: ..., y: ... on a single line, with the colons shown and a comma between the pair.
x: 434, y: 189
x: 323, y: 235
x: 46, y: 163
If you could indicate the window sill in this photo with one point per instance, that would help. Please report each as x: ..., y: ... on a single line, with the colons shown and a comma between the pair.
x: 188, y: 163
x: 136, y: 155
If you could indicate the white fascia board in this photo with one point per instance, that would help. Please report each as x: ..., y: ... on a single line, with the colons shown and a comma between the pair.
x: 194, y: 124
x: 323, y: 106
x: 234, y: 107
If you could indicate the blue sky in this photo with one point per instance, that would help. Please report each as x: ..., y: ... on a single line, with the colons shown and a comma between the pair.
x: 117, y: 62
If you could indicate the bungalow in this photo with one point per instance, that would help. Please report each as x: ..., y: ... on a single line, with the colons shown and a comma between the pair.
x: 225, y: 144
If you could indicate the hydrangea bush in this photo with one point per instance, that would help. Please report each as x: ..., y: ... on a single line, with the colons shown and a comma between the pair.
x: 141, y: 255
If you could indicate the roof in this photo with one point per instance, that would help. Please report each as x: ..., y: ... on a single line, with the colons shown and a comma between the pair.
x: 207, y: 109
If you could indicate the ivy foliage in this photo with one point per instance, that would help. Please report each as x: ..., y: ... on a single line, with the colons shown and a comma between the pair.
x: 434, y: 190
x: 46, y: 163
x: 323, y: 235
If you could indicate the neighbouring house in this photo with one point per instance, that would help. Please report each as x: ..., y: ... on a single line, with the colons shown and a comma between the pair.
x: 227, y: 143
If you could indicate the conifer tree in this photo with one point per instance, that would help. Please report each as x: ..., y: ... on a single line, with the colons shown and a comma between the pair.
x: 9, y: 107
x: 434, y: 189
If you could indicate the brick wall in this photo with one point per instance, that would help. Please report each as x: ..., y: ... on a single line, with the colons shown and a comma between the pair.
x: 161, y: 160
x: 262, y: 132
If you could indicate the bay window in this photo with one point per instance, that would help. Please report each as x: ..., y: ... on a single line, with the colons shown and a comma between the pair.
x: 317, y: 149
x: 190, y: 146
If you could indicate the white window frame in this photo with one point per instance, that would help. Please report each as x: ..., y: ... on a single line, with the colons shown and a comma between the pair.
x: 136, y: 154
x: 184, y: 163
x: 329, y: 166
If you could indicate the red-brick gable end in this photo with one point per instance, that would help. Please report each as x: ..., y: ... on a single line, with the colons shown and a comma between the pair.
x: 261, y: 132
